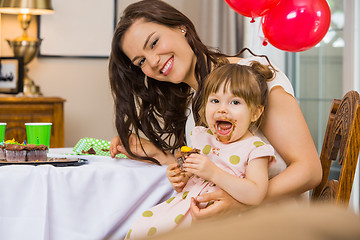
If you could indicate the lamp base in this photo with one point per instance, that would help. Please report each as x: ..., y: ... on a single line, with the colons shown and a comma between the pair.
x: 27, y: 48
x: 30, y: 88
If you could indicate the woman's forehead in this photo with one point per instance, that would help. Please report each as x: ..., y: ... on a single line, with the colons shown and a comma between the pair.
x: 138, y: 33
x: 142, y: 26
x: 135, y: 36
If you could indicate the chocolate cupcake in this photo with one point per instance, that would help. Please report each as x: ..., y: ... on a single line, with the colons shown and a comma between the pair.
x: 2, y: 151
x: 181, y: 155
x: 15, y: 153
x: 36, y: 152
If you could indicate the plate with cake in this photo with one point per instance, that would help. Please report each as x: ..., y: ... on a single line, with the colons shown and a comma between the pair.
x: 31, y: 154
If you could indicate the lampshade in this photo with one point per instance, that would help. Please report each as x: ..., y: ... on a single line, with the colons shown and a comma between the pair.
x: 33, y: 7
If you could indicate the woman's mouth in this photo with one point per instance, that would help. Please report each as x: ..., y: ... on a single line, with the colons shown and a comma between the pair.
x: 223, y: 127
x: 167, y: 66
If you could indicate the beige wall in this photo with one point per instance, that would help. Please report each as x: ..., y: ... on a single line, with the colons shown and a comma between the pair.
x: 82, y: 82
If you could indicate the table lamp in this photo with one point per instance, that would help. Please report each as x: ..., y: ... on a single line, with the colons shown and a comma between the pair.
x: 26, y: 46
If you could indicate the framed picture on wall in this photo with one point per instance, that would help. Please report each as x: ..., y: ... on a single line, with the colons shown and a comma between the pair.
x: 80, y: 29
x: 11, y: 75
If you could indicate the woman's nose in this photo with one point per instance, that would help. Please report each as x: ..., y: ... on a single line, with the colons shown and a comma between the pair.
x: 153, y: 60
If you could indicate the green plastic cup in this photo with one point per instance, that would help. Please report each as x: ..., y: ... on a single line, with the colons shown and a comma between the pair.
x: 38, y: 133
x: 2, y: 132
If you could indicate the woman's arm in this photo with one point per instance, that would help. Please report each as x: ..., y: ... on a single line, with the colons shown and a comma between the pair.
x: 285, y: 128
x: 151, y: 150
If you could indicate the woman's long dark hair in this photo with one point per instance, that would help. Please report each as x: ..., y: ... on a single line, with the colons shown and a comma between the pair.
x: 143, y: 104
x: 155, y: 108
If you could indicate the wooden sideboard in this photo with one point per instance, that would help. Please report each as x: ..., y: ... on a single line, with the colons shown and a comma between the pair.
x: 16, y: 111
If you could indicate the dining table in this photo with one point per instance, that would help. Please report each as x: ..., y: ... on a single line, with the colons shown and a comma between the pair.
x: 98, y: 197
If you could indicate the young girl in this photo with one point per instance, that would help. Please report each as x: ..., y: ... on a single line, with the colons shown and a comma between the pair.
x: 232, y: 157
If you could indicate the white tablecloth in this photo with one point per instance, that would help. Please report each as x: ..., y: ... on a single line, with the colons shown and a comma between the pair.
x: 94, y: 201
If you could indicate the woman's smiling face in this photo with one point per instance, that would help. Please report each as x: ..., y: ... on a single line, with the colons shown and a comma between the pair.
x: 161, y: 52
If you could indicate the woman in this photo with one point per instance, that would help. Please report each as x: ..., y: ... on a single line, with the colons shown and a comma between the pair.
x: 157, y: 68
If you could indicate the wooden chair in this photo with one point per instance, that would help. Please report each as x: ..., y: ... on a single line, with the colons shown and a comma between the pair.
x: 341, y: 143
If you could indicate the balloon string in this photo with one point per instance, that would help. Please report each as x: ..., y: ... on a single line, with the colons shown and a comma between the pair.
x: 262, y: 38
x: 253, y: 36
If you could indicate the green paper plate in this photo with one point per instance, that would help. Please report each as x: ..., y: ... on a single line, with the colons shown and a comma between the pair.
x: 101, y: 147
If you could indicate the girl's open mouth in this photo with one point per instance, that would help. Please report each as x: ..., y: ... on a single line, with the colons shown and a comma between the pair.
x: 224, y: 127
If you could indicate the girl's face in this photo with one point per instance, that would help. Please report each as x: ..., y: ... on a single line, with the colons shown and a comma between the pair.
x: 163, y: 53
x: 228, y: 116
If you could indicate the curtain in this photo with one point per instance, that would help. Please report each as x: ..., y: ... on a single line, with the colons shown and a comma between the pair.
x: 220, y: 26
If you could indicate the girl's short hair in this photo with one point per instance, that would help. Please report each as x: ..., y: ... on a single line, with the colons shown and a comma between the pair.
x: 247, y: 82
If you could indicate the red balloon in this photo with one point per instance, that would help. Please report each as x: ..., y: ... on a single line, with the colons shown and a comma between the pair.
x: 252, y: 8
x: 297, y: 25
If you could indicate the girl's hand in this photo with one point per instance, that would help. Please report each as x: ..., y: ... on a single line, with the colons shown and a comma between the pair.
x: 200, y: 165
x: 177, y: 178
x: 223, y: 204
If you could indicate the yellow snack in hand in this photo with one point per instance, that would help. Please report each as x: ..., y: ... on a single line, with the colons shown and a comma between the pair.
x: 185, y: 149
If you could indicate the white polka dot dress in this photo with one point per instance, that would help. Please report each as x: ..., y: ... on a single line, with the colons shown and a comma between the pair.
x: 175, y: 212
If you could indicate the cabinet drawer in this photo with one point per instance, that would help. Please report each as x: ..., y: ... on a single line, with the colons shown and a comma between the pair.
x: 16, y: 111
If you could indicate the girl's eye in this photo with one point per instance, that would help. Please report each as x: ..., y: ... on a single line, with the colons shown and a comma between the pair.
x: 214, y: 101
x: 154, y: 43
x: 235, y: 102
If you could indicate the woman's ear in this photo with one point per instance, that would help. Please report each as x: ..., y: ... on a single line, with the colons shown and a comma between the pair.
x: 257, y: 113
x: 182, y: 29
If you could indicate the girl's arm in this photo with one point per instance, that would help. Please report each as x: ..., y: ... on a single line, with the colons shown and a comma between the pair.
x: 250, y: 190
x: 285, y: 128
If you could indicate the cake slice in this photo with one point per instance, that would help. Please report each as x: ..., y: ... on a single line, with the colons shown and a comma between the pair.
x: 183, y: 153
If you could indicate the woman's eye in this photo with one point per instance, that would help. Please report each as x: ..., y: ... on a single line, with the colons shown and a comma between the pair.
x: 141, y: 62
x: 154, y: 43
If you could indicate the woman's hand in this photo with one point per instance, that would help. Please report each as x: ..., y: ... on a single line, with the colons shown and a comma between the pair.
x: 136, y: 147
x: 177, y: 178
x: 115, y: 146
x: 140, y: 147
x: 223, y: 203
x: 201, y: 166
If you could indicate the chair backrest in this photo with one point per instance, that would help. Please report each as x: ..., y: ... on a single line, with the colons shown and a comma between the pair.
x: 341, y: 143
